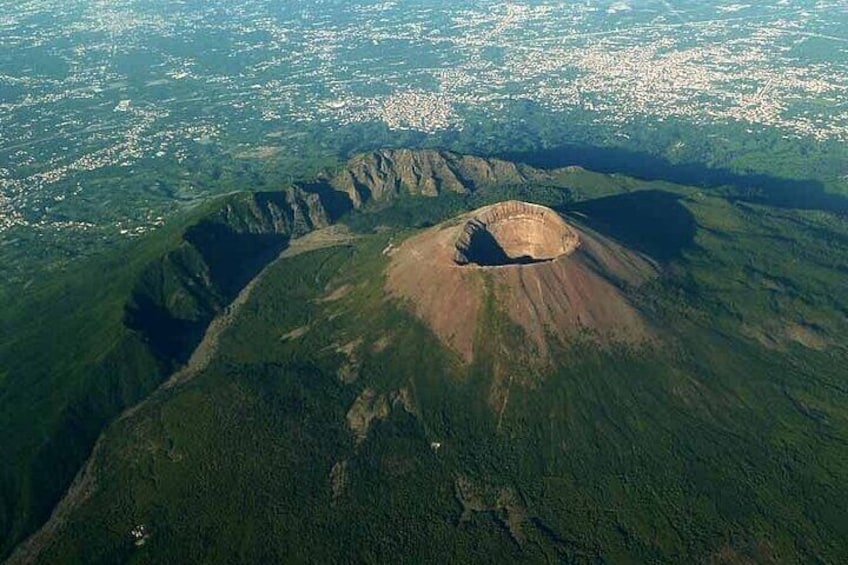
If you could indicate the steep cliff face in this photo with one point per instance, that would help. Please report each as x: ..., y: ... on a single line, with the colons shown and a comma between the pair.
x: 385, y: 174
x: 118, y: 331
x: 178, y: 295
x: 292, y: 211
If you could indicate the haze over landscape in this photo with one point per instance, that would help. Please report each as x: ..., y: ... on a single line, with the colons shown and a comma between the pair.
x: 416, y: 280
x: 145, y: 90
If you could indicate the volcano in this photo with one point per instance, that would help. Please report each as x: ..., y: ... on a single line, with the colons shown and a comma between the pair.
x: 552, y: 277
x: 630, y: 375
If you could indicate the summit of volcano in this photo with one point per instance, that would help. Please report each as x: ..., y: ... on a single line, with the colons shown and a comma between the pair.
x: 552, y: 277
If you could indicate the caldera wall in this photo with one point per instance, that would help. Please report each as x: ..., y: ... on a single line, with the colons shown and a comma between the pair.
x: 513, y: 232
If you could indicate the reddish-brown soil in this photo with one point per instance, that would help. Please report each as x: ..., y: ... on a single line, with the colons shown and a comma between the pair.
x: 584, y: 288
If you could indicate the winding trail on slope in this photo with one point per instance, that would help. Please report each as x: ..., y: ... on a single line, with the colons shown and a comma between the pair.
x: 84, y: 484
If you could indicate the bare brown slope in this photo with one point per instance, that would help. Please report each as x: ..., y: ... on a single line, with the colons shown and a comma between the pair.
x: 582, y: 291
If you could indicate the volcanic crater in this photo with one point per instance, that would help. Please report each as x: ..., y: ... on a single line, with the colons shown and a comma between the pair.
x: 514, y: 233
x: 552, y: 277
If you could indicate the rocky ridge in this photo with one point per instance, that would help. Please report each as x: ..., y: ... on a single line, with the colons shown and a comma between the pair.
x: 386, y: 174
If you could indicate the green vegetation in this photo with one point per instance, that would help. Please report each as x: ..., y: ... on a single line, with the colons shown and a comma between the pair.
x: 80, y: 349
x: 726, y: 441
x: 408, y: 211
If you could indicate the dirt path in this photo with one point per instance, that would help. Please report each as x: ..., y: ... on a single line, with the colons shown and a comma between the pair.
x: 331, y: 236
x: 84, y: 484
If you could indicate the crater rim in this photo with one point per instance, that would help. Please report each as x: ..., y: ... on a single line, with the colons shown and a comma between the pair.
x: 514, y: 233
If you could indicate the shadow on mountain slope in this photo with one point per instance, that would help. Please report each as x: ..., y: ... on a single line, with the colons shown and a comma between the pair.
x: 757, y: 188
x: 651, y: 221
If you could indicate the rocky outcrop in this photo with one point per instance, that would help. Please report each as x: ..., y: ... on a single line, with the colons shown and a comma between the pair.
x: 514, y: 232
x: 293, y: 212
x: 370, y: 407
x: 178, y: 295
x: 339, y: 478
x: 506, y: 506
x: 385, y: 174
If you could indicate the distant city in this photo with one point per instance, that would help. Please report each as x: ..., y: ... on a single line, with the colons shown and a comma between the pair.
x: 90, y: 86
